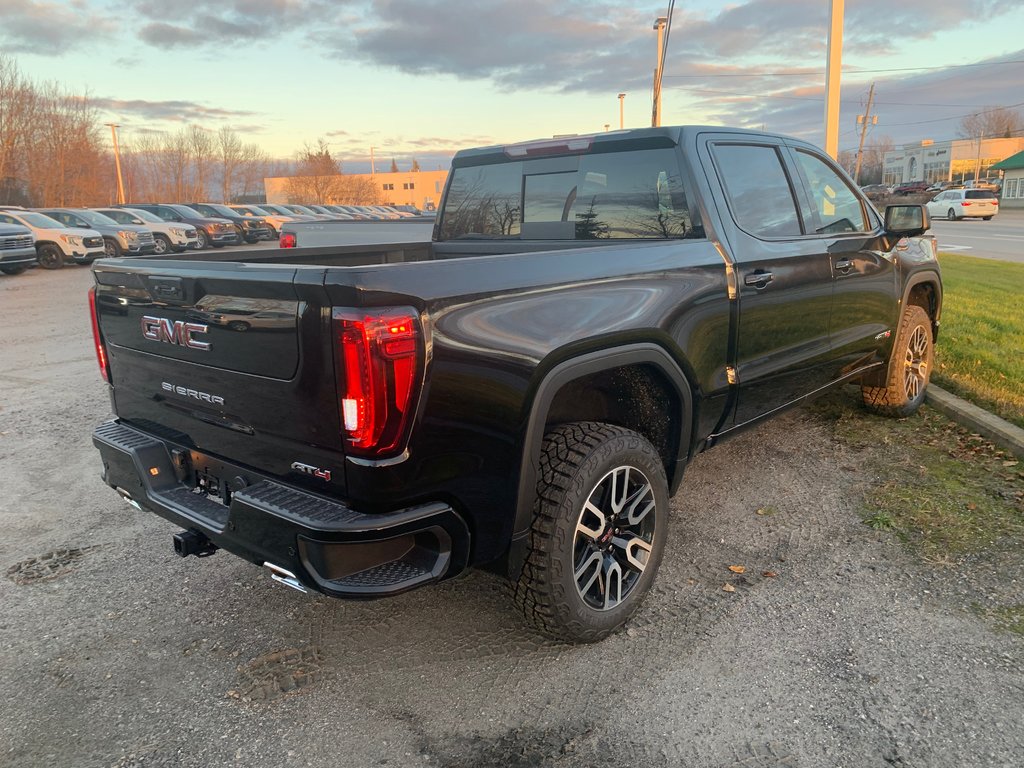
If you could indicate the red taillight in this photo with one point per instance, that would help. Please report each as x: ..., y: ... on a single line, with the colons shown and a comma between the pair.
x: 101, y: 350
x: 287, y: 240
x: 965, y: 203
x: 378, y: 358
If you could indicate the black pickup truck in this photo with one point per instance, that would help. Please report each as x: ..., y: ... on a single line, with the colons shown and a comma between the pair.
x: 523, y: 391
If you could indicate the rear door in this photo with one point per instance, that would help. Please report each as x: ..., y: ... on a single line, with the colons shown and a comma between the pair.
x: 231, y: 359
x: 783, y: 278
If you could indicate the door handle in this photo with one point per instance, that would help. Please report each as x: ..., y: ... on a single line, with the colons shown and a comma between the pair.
x: 758, y: 279
x: 843, y: 265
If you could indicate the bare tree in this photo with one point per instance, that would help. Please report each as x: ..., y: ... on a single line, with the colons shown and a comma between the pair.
x: 230, y: 154
x: 992, y: 123
x: 18, y: 113
x: 202, y: 150
x: 318, y: 176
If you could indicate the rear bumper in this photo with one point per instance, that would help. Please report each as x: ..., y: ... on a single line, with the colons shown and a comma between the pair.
x: 326, y: 545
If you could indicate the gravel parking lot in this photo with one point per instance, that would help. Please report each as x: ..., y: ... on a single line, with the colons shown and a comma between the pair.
x: 836, y: 648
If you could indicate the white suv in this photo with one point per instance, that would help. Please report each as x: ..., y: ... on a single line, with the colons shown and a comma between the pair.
x: 56, y: 243
x: 170, y: 236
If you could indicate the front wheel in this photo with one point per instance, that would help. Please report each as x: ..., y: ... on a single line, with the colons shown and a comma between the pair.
x: 598, y: 534
x: 203, y: 239
x: 111, y: 248
x: 899, y: 389
x: 986, y: 218
x: 50, y: 256
x: 162, y: 244
x: 13, y: 270
x: 951, y: 215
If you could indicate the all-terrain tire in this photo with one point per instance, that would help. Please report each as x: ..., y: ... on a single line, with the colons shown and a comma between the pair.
x: 576, y: 461
x: 899, y: 389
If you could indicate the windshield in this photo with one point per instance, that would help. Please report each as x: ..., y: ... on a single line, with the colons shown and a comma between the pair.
x: 40, y: 220
x: 184, y: 210
x: 97, y: 219
x: 223, y: 210
x: 302, y: 209
x: 145, y: 215
x: 251, y: 209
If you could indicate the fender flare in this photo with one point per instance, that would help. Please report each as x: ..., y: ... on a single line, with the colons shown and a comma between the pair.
x: 926, y: 276
x: 584, y: 365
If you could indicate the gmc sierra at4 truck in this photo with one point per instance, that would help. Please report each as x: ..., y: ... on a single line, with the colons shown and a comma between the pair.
x: 522, y: 392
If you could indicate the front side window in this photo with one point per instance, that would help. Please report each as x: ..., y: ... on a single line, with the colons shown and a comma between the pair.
x: 838, y: 208
x: 758, y: 190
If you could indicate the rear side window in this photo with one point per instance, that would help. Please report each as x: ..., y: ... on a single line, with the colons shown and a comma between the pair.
x: 980, y: 194
x: 838, y: 208
x: 613, y: 195
x: 759, y: 193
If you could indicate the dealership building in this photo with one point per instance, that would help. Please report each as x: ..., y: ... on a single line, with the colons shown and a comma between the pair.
x: 955, y: 160
x: 1013, y: 180
x: 421, y: 189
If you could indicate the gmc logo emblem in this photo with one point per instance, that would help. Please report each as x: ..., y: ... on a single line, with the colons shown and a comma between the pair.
x: 174, y: 332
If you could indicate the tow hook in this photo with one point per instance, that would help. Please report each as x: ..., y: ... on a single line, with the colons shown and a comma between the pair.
x: 192, y: 542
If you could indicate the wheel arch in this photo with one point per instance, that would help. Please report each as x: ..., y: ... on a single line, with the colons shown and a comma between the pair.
x: 559, y: 385
x: 925, y: 290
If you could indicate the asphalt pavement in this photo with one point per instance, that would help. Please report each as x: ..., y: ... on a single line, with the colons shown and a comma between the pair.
x: 835, y: 648
x: 1001, y: 238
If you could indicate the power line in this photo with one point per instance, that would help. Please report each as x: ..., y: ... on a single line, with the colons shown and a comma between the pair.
x: 852, y: 71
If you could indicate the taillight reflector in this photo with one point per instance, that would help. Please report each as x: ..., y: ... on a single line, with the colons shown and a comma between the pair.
x: 287, y: 240
x: 379, y: 354
x: 101, y: 350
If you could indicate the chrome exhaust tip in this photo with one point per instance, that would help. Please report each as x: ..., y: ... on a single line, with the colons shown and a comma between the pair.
x: 284, y: 576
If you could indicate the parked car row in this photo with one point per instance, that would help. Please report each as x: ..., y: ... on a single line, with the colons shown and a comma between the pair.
x: 51, y: 237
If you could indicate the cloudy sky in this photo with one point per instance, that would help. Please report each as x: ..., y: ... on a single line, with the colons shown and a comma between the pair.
x: 425, y: 77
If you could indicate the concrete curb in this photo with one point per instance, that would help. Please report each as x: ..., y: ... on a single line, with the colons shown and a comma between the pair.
x: 1001, y: 432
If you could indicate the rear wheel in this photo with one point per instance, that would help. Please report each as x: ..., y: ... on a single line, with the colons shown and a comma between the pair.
x: 899, y: 390
x: 986, y: 218
x: 12, y: 270
x: 951, y: 214
x: 50, y: 256
x: 162, y: 244
x: 598, y: 534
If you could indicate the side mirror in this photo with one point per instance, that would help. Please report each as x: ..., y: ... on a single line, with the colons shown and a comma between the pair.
x: 906, y: 220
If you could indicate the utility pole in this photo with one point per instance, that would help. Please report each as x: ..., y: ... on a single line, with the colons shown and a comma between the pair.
x: 977, y: 168
x: 622, y: 120
x: 865, y: 120
x: 659, y: 24
x: 833, y: 70
x: 117, y: 163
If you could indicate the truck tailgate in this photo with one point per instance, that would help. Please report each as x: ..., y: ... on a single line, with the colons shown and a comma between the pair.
x: 228, y: 359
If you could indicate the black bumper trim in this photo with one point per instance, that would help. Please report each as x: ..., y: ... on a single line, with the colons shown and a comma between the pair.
x: 329, y: 546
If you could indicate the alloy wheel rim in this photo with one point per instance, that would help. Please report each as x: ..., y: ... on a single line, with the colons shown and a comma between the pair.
x: 915, y: 369
x: 48, y: 257
x: 160, y: 245
x: 614, y: 538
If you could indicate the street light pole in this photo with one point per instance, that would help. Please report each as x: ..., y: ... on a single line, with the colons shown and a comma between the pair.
x: 117, y: 163
x: 659, y: 24
x: 622, y: 121
x: 373, y: 169
x: 833, y: 69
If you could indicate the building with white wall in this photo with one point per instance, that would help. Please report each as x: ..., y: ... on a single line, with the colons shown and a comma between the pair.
x: 955, y: 160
